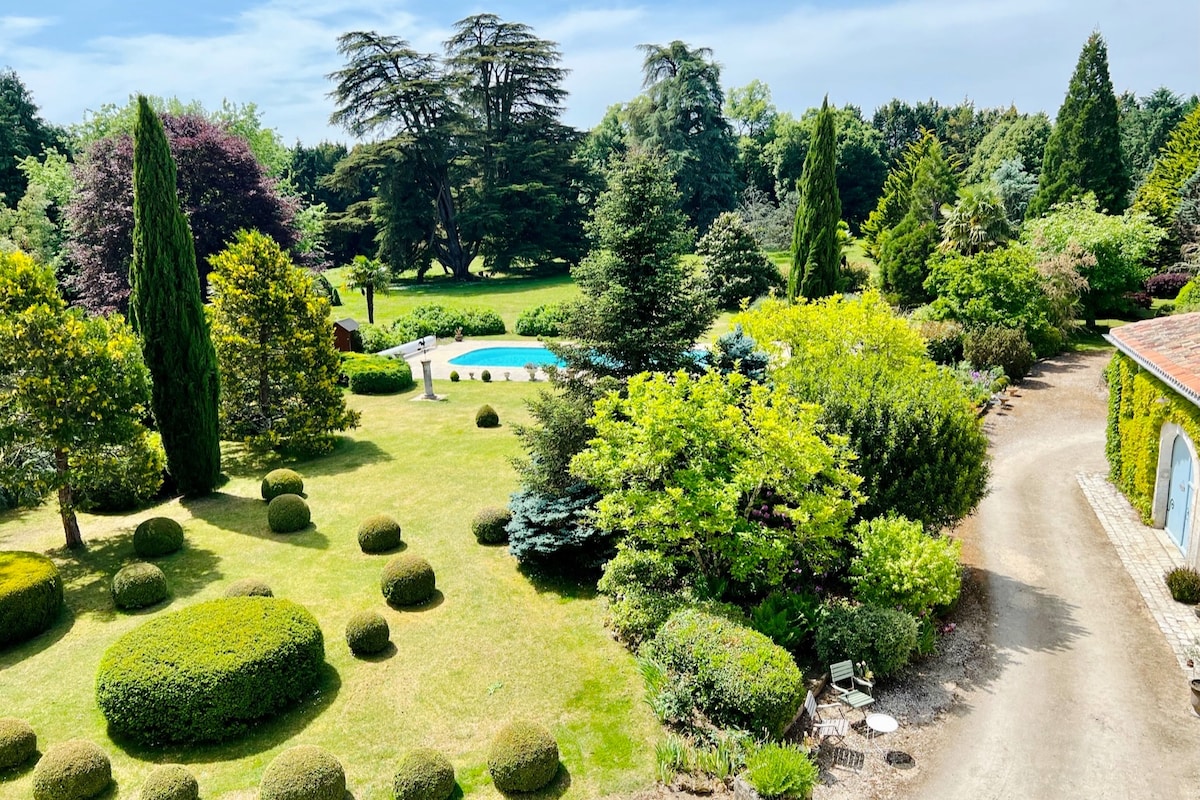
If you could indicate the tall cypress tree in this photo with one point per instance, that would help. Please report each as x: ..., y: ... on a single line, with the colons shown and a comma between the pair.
x: 166, y: 310
x: 1083, y: 153
x: 815, y: 249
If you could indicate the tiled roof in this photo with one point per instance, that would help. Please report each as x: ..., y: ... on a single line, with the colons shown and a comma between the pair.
x: 1169, y: 347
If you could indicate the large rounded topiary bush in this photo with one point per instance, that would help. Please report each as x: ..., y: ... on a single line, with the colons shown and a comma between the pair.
x: 249, y: 587
x: 71, y: 770
x: 407, y: 580
x: 170, y: 782
x: 486, y: 417
x: 157, y: 536
x: 31, y: 595
x: 367, y: 633
x: 18, y: 742
x: 288, y: 513
x: 423, y: 774
x: 303, y: 773
x: 281, y: 481
x: 489, y: 525
x: 378, y: 534
x: 139, y: 585
x: 523, y: 757
x: 210, y: 671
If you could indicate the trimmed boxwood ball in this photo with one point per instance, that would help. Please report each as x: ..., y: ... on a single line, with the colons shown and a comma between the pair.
x: 288, y: 513
x: 367, y: 633
x: 303, y: 773
x: 31, y: 595
x: 157, y: 536
x: 423, y: 774
x: 211, y: 671
x: 407, y: 580
x: 454, y: 377
x: 71, y: 770
x: 139, y: 585
x: 523, y: 757
x: 249, y: 587
x: 490, y: 523
x: 486, y: 417
x: 281, y: 481
x: 18, y: 742
x: 378, y: 534
x: 170, y: 782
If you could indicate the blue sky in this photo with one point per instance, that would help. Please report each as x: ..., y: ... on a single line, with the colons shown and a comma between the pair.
x: 75, y: 55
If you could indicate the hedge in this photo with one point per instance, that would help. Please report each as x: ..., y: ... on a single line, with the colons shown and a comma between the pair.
x: 408, y: 580
x: 523, y: 757
x: 303, y: 773
x: 31, y: 595
x: 543, y: 320
x: 157, y: 536
x: 18, y: 742
x: 377, y: 374
x: 885, y: 638
x: 736, y: 675
x: 211, y: 671
x: 139, y: 585
x: 378, y: 533
x: 281, y: 481
x: 71, y: 770
x: 170, y: 782
x: 288, y: 513
x: 423, y: 774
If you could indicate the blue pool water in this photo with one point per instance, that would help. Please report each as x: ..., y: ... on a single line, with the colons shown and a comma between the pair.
x: 506, y: 357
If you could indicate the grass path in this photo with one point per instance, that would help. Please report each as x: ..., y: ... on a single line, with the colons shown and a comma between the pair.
x: 494, y: 646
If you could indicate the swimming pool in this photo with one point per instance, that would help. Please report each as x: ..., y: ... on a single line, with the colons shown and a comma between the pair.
x: 506, y: 357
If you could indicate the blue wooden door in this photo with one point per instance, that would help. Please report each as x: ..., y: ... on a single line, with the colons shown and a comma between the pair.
x: 1179, y: 495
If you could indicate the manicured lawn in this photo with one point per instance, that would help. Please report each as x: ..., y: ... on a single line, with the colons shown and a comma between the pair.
x: 507, y: 295
x: 495, y: 645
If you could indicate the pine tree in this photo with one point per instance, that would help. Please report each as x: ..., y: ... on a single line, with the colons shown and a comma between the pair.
x: 167, y: 312
x: 1083, y: 153
x: 815, y: 249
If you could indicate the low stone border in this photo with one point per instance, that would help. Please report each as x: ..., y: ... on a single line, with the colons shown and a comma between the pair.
x: 1147, y: 554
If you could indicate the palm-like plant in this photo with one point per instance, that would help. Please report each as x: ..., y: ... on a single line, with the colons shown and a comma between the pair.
x: 369, y: 276
x: 977, y: 222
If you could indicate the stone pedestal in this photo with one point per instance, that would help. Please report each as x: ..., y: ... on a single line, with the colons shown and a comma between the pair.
x: 428, y: 376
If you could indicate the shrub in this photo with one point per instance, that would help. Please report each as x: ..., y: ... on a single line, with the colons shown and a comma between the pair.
x: 543, y: 320
x: 157, y: 536
x: 552, y: 530
x: 139, y: 585
x: 31, y: 595
x: 367, y: 633
x: 408, y: 580
x: 486, y: 416
x: 943, y: 340
x: 789, y: 618
x: 489, y: 525
x: 899, y: 565
x: 377, y: 374
x: 1188, y: 298
x: 281, y: 481
x: 1000, y: 347
x: 737, y: 676
x: 485, y: 376
x: 1184, y: 583
x: 454, y: 378
x: 288, y: 513
x: 482, y: 322
x: 121, y: 478
x: 303, y: 773
x: 644, y: 589
x: 780, y: 770
x: 170, y: 782
x: 523, y: 757
x: 71, y: 770
x: 249, y: 587
x: 883, y: 637
x: 211, y: 671
x: 423, y: 774
x: 378, y: 533
x: 1167, y: 284
x: 18, y: 742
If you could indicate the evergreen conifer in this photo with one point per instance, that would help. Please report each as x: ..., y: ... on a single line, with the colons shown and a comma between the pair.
x: 816, y: 250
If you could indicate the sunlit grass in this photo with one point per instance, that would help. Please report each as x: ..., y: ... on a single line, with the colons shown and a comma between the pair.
x: 495, y: 645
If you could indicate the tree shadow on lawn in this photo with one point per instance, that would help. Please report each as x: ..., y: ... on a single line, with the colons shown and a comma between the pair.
x: 248, y: 516
x: 264, y: 736
x: 348, y: 454
x: 435, y: 600
x: 571, y: 586
x: 557, y: 787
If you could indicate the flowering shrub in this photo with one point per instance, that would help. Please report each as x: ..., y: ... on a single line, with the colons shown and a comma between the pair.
x: 980, y: 384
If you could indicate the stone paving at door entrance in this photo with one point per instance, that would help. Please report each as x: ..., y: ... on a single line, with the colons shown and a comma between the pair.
x: 1147, y: 554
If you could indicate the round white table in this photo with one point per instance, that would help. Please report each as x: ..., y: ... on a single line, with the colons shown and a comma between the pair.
x: 879, y: 724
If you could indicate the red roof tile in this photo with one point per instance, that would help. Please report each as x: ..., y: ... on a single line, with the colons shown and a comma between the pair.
x: 1169, y: 347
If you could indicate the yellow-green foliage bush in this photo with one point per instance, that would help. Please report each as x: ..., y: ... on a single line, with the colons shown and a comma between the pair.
x: 211, y: 671
x: 71, y: 770
x: 170, y: 782
x: 423, y: 774
x: 897, y: 564
x: 523, y: 757
x: 18, y: 742
x: 303, y: 773
x: 1138, y: 406
x: 31, y: 595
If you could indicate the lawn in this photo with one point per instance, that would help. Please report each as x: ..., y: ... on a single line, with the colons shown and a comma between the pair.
x: 494, y: 646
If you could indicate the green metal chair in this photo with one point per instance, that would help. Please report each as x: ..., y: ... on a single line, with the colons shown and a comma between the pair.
x: 846, y: 683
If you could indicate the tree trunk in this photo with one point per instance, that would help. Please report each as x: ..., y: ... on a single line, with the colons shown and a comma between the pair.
x: 370, y: 292
x: 66, y: 501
